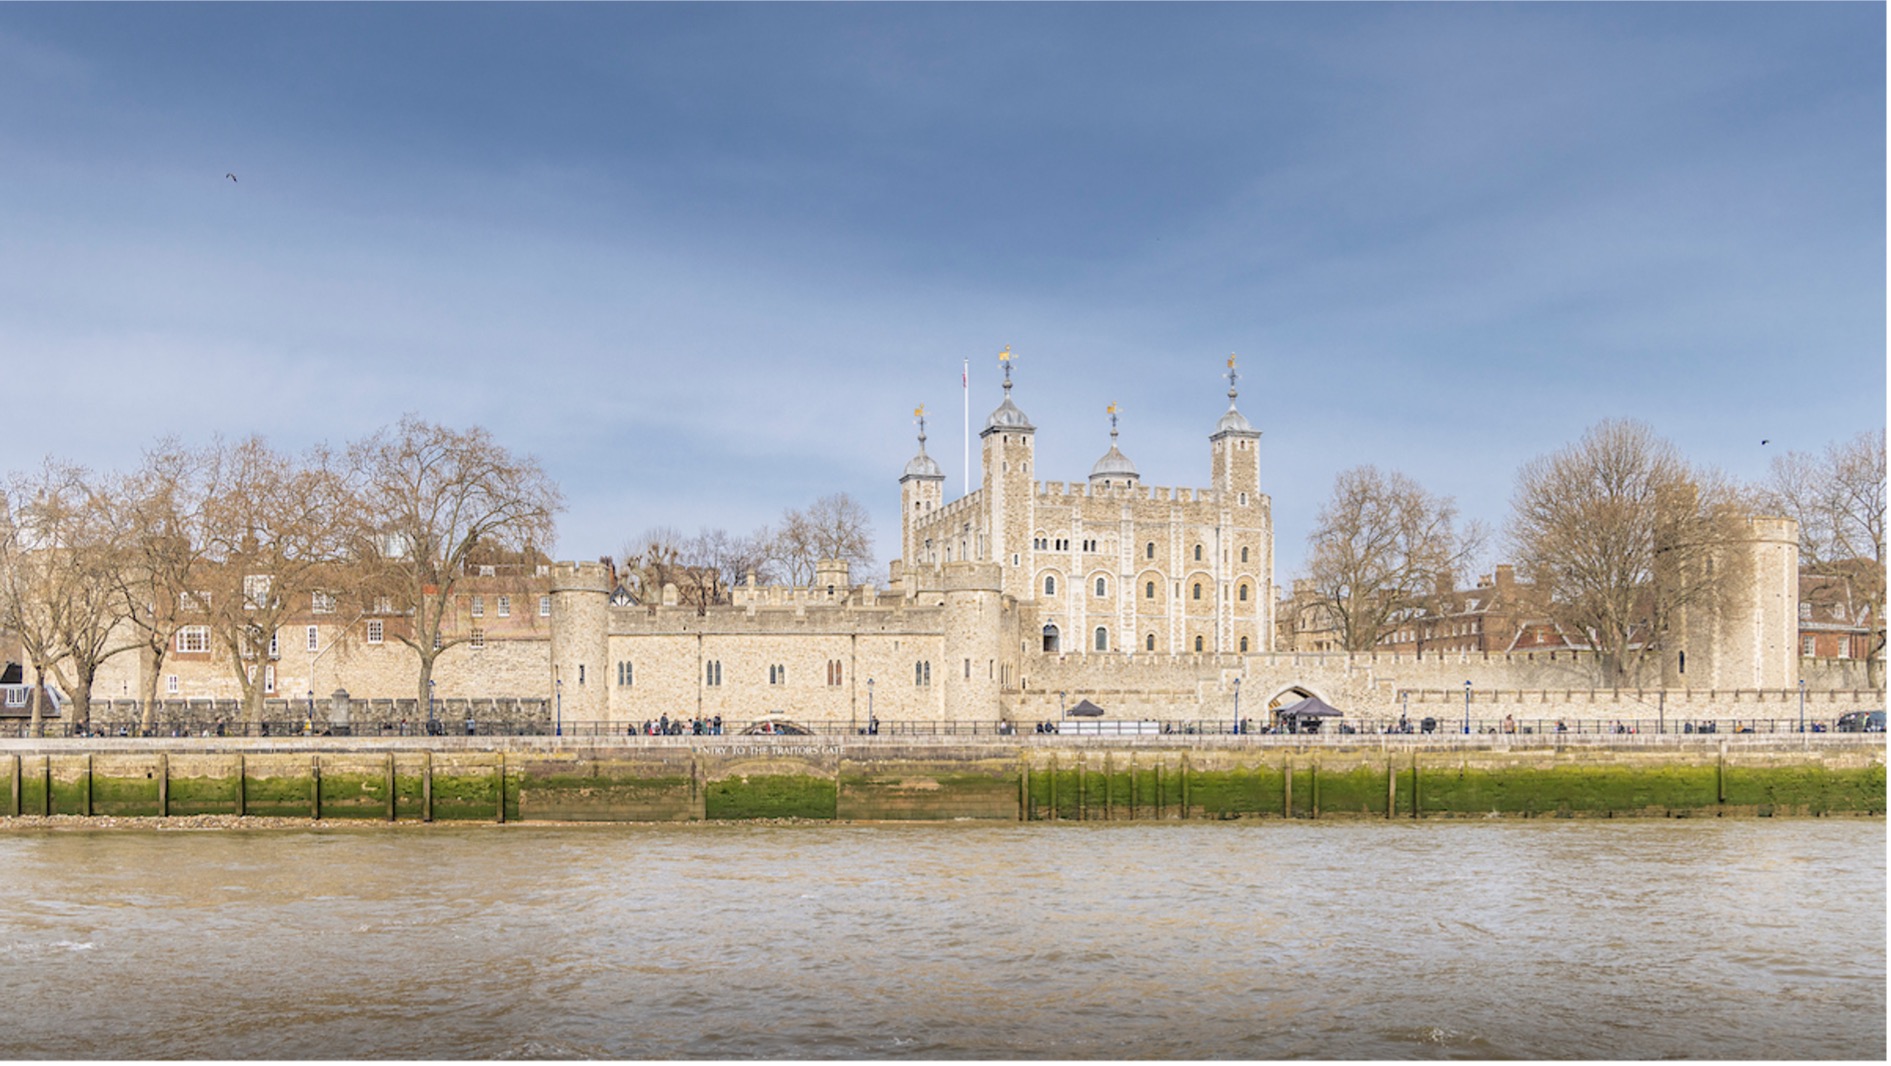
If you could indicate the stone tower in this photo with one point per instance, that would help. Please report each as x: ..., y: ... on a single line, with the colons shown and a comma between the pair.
x: 1236, y: 446
x: 580, y: 641
x: 922, y: 490
x: 1006, y: 449
x: 973, y: 645
x: 1245, y: 517
x: 1746, y: 636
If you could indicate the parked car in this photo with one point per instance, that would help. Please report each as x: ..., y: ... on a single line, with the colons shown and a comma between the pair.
x: 1861, y: 722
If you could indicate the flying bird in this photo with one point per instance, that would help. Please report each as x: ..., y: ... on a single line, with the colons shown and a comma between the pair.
x: 232, y: 177
x: 1767, y: 441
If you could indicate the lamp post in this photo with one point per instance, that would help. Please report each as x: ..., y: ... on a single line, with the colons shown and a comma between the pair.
x: 1802, y: 705
x: 558, y: 707
x: 1467, y: 708
x: 312, y: 712
x: 1237, y: 706
x: 430, y: 713
x: 1060, y: 704
x: 870, y: 721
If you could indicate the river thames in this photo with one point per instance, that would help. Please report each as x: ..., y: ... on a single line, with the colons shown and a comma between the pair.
x: 1698, y: 938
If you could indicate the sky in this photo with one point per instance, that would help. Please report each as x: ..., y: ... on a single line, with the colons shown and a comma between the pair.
x: 703, y: 262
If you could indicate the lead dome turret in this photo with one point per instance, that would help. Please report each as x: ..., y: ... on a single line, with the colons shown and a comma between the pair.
x: 1114, y: 468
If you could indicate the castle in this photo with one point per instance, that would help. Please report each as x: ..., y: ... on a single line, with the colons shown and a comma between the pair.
x: 1013, y: 603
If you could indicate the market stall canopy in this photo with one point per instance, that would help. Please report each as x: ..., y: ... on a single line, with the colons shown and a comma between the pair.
x: 1087, y: 710
x: 1311, y: 707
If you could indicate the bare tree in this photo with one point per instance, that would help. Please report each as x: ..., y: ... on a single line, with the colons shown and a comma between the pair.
x: 1838, y: 500
x: 1620, y: 534
x: 433, y: 497
x: 163, y: 511
x: 276, y: 528
x: 1381, y: 550
x: 835, y: 526
x: 652, y: 561
x: 61, y: 554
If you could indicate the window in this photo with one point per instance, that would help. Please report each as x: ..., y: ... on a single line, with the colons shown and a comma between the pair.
x: 833, y: 673
x: 544, y: 606
x: 1244, y: 555
x: 968, y: 669
x: 1198, y: 590
x: 1244, y: 644
x: 1809, y: 645
x: 16, y: 696
x: 778, y: 674
x: 922, y: 674
x: 1244, y: 594
x: 1149, y: 642
x: 1090, y: 545
x: 269, y: 678
x: 580, y: 673
x: 193, y: 640
x: 315, y: 638
x: 479, y: 606
x: 1050, y: 586
x: 193, y: 601
x: 1844, y: 647
x: 1050, y: 637
x: 1149, y: 550
x: 1198, y: 644
x: 477, y: 640
x: 623, y: 674
x: 322, y: 602
x: 1198, y: 553
x: 383, y: 605
x: 1149, y: 590
x: 505, y: 607
x: 712, y: 673
x: 485, y: 571
x: 255, y: 591
x: 275, y: 647
x: 170, y: 684
x: 374, y: 631
x: 1102, y: 588
x: 1102, y: 639
x: 438, y: 640
x: 1805, y: 612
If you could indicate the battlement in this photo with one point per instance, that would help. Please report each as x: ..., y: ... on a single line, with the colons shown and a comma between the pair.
x: 1056, y: 490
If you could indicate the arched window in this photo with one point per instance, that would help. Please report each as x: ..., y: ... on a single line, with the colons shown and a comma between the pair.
x: 1244, y: 594
x: 1149, y: 642
x: 1149, y: 550
x: 1103, y: 639
x: 1244, y: 643
x: 1050, y: 637
x: 1198, y: 553
x: 1050, y: 585
x: 1198, y: 590
x: 1149, y: 591
x: 1101, y: 587
x: 1244, y: 555
x: 1198, y: 644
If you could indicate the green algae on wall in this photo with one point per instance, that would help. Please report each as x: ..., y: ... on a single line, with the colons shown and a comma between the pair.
x: 771, y: 796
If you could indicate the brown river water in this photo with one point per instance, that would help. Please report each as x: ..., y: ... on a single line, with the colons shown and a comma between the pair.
x: 1754, y: 939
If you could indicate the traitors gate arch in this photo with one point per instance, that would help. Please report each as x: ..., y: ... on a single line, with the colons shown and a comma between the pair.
x: 1293, y: 694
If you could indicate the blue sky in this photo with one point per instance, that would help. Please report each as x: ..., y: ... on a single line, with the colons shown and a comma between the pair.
x: 703, y: 261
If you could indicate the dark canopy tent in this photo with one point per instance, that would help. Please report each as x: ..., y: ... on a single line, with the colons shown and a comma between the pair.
x: 1304, y: 716
x: 1086, y: 709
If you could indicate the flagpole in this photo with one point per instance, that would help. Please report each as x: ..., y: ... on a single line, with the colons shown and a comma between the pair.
x: 965, y: 390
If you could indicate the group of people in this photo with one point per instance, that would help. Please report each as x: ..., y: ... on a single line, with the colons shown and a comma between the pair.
x: 665, y: 726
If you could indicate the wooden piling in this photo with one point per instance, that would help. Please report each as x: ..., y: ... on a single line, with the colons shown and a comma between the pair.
x: 499, y: 769
x: 426, y: 786
x: 315, y: 788
x: 1391, y: 791
x: 13, y: 807
x: 1287, y: 790
x: 242, y: 786
x: 164, y: 785
x: 85, y: 807
x: 390, y: 786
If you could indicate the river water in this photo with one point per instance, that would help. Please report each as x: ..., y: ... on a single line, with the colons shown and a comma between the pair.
x: 1591, y: 939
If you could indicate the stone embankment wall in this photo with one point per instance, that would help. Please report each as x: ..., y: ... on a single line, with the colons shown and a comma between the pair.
x: 873, y: 779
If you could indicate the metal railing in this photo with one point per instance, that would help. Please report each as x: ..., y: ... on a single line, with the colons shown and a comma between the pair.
x: 1362, y: 726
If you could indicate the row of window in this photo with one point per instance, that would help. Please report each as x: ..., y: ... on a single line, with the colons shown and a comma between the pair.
x: 256, y: 590
x: 1149, y: 588
x: 1063, y: 544
x: 777, y: 673
x: 195, y: 640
